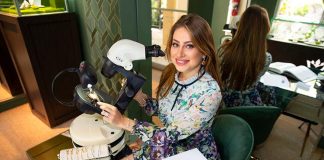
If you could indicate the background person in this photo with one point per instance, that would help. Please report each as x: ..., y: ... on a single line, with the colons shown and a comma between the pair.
x: 244, y: 60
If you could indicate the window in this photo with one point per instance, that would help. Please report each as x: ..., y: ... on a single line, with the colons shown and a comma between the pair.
x: 309, y: 11
x: 164, y: 14
x: 299, y: 21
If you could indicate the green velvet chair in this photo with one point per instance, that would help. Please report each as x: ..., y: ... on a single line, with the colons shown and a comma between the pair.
x: 233, y: 136
x: 260, y: 118
x: 283, y: 97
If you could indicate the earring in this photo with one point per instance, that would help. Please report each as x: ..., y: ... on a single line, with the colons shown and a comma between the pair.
x: 204, y: 58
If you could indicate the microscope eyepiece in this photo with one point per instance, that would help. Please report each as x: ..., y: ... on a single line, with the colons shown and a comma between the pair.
x: 108, y: 68
x: 153, y: 51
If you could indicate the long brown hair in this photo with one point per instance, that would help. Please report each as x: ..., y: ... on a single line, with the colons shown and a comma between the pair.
x: 202, y: 39
x: 243, y: 58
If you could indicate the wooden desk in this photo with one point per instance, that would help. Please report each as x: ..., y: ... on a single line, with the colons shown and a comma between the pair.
x: 49, y: 149
x: 301, y: 103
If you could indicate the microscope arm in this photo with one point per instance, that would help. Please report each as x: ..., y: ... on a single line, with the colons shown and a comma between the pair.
x: 119, y: 60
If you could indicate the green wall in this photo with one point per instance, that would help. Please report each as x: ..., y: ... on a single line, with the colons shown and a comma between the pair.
x: 99, y: 23
x: 203, y: 8
x: 219, y: 19
x: 215, y: 13
x: 269, y: 5
x: 136, y: 25
x: 102, y: 23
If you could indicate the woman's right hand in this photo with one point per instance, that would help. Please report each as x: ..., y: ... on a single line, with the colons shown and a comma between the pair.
x: 113, y: 116
x: 141, y: 98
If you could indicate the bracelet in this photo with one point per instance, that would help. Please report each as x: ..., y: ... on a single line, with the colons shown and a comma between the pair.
x: 141, y: 100
x: 129, y: 126
x: 145, y: 102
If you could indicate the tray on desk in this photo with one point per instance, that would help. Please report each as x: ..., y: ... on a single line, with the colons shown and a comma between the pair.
x: 49, y: 149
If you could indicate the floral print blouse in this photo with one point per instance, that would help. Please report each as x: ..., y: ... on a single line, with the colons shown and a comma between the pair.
x: 256, y: 94
x: 186, y: 113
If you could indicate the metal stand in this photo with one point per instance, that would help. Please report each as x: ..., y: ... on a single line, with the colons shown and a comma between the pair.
x: 305, y: 139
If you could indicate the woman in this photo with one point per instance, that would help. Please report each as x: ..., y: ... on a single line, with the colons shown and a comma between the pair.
x: 245, y: 60
x: 189, y: 95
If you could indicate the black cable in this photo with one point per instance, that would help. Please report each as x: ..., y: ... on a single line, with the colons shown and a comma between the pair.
x: 69, y: 70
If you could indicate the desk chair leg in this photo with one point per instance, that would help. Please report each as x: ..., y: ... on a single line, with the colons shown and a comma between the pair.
x: 321, y: 155
x: 299, y: 127
x: 305, y: 139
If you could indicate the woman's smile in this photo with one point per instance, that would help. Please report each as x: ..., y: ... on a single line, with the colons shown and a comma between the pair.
x: 181, y: 62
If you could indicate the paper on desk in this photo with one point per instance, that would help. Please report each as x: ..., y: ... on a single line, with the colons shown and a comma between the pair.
x: 275, y: 80
x: 303, y: 86
x: 193, y: 154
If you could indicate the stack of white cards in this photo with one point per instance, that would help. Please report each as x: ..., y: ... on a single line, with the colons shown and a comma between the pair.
x: 84, y: 153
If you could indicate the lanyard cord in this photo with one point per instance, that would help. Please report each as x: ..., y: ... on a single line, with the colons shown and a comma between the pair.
x: 183, y: 86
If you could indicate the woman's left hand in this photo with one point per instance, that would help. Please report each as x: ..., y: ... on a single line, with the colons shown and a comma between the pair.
x: 112, y: 115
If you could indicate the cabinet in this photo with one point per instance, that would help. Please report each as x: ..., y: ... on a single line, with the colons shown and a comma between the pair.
x: 32, y: 7
x: 40, y: 47
x: 8, y: 75
x: 297, y: 53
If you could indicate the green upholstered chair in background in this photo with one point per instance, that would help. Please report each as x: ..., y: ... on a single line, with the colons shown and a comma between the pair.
x: 260, y: 118
x: 283, y: 97
x: 233, y: 136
